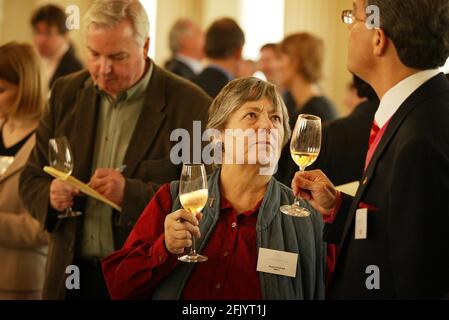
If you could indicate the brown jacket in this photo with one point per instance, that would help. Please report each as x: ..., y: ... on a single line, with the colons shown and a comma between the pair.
x: 23, y: 242
x: 171, y: 103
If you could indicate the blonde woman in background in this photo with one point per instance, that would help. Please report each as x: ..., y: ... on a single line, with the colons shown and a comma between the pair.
x: 23, y: 244
x: 300, y: 67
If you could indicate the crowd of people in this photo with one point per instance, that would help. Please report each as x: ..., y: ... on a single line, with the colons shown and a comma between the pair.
x: 120, y: 111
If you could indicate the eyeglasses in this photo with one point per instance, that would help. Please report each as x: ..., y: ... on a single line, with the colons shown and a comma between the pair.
x: 348, y: 17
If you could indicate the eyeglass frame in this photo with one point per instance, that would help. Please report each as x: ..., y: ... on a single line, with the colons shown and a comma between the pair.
x: 349, y: 14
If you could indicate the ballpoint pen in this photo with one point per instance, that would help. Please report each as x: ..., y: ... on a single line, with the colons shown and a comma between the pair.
x: 121, y: 168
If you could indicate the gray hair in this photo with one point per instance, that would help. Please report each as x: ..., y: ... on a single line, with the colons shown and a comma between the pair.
x: 243, y: 90
x: 109, y: 13
x: 181, y: 28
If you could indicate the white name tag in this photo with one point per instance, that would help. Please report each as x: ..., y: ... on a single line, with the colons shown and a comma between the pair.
x: 361, y: 224
x: 277, y: 262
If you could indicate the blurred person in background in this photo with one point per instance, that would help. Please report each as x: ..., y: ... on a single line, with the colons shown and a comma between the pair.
x: 268, y: 62
x: 224, y: 45
x: 247, y: 68
x: 186, y: 41
x: 23, y: 243
x: 51, y: 38
x: 352, y: 97
x: 301, y: 69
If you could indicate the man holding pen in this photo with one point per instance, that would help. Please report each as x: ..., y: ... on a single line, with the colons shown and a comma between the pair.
x: 119, y: 113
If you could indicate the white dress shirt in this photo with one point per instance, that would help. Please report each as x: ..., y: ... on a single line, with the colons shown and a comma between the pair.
x: 396, y: 96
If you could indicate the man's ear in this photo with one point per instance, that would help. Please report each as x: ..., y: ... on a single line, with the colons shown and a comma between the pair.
x: 146, y: 48
x: 380, y: 42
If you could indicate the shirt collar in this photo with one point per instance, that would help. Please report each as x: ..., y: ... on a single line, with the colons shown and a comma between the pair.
x: 136, y: 91
x: 194, y: 64
x: 226, y: 205
x: 397, y: 95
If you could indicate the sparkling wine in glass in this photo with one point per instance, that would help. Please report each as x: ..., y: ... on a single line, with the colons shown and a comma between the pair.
x: 60, y: 157
x: 193, y: 194
x: 304, y: 148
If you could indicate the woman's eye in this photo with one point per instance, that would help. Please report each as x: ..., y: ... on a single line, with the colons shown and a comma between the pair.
x: 251, y: 115
x: 276, y: 118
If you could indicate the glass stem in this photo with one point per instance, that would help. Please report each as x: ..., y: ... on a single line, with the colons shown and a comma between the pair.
x: 297, y: 198
x: 192, y: 249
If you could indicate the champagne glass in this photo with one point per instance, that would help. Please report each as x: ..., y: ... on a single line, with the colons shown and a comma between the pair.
x: 193, y: 195
x: 304, y: 148
x: 60, y: 157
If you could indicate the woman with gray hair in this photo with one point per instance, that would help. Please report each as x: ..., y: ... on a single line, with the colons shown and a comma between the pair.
x: 252, y: 247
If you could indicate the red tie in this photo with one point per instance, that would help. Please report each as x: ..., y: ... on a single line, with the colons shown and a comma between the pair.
x: 373, y: 134
x: 372, y: 142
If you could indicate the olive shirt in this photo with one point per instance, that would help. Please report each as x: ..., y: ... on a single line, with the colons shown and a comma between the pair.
x: 116, y: 122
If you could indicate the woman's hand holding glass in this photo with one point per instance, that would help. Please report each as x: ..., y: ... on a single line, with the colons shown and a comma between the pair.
x: 179, y: 227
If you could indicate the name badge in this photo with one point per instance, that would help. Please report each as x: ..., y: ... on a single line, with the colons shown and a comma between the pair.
x: 277, y: 262
x: 361, y: 224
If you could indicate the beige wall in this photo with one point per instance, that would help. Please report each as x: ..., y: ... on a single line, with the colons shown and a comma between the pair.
x: 321, y: 17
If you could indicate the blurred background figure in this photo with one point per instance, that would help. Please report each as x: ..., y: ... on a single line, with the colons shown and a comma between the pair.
x: 23, y: 244
x: 224, y: 45
x: 187, y: 47
x: 352, y: 96
x: 301, y: 69
x: 247, y: 68
x: 267, y: 64
x: 345, y: 141
x: 53, y: 44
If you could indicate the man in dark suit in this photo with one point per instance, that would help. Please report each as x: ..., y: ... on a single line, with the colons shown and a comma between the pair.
x: 53, y: 44
x: 119, y: 115
x: 187, y: 47
x: 224, y: 45
x: 345, y: 141
x: 392, y: 235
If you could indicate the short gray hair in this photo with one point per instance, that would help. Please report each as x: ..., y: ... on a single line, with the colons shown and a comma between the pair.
x: 181, y: 28
x: 243, y: 90
x: 109, y: 13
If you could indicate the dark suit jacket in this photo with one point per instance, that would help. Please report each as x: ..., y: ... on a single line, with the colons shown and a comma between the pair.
x: 345, y: 144
x: 69, y: 64
x: 407, y: 182
x: 180, y: 68
x: 171, y: 103
x: 211, y: 80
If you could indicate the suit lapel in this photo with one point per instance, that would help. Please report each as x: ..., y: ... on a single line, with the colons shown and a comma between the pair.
x: 427, y: 90
x: 84, y: 133
x: 149, y: 122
